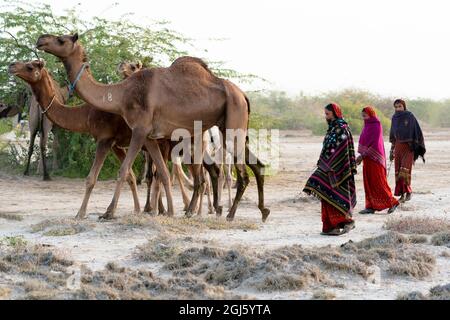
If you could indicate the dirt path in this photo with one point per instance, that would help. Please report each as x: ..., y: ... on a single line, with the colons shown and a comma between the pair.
x: 294, y: 219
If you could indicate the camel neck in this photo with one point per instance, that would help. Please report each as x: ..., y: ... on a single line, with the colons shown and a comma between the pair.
x: 108, y: 98
x: 70, y: 118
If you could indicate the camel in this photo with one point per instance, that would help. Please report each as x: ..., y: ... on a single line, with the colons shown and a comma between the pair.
x: 126, y: 69
x: 155, y: 102
x: 8, y: 111
x: 109, y: 130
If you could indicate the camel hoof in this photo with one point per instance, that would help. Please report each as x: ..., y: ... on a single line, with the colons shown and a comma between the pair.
x: 188, y: 214
x: 265, y: 214
x: 230, y: 218
x: 107, y: 216
x: 81, y: 216
x: 163, y: 213
x: 150, y: 212
x: 219, y: 211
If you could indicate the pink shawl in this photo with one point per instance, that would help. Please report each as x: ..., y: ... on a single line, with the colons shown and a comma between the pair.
x: 371, y: 142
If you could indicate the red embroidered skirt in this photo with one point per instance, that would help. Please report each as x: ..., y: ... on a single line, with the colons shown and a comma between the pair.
x: 332, y: 218
x: 378, y: 193
x: 404, y: 159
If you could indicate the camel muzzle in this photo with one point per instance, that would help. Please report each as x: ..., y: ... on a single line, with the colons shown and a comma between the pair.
x: 12, y: 69
x: 41, y: 43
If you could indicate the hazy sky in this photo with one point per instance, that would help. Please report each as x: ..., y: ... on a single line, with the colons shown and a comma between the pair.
x: 390, y: 47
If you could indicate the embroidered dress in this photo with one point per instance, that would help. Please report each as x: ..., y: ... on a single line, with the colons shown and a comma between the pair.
x: 333, y: 180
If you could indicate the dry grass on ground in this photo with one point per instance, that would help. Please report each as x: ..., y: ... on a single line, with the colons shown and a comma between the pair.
x: 441, y: 239
x: 436, y: 293
x: 287, y: 268
x: 185, y: 225
x: 11, y: 216
x: 62, y: 227
x: 415, y: 225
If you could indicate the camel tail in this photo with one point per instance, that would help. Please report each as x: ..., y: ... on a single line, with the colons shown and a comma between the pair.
x: 248, y: 120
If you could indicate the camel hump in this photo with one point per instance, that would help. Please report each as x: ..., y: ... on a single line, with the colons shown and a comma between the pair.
x: 189, y: 59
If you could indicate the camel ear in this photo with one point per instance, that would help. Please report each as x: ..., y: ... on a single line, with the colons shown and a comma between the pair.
x: 75, y: 37
x: 42, y: 63
x: 139, y: 64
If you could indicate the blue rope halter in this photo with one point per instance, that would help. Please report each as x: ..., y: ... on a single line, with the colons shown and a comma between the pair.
x: 72, y: 86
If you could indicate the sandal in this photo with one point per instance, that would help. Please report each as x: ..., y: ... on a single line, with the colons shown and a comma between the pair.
x: 367, y: 211
x: 333, y: 232
x: 392, y: 209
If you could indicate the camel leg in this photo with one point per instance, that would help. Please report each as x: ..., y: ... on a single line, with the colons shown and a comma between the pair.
x: 242, y: 183
x: 229, y: 182
x: 43, y: 147
x: 258, y: 170
x: 214, y: 175
x: 177, y: 172
x: 33, y: 125
x: 131, y: 179
x: 30, y: 151
x: 137, y: 140
x: 163, y: 173
x: 149, y: 178
x: 202, y: 189
x: 101, y: 152
x: 55, y: 147
x: 208, y: 181
x: 161, y: 210
x: 143, y: 174
x: 156, y: 200
x: 196, y: 171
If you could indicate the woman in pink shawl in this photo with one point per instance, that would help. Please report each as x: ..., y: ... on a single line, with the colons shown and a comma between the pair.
x: 372, y: 154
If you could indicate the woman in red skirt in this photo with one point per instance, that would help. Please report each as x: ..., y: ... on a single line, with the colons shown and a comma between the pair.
x: 371, y: 149
x: 407, y: 146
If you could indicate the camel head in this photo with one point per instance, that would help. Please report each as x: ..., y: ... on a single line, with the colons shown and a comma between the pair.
x: 8, y: 111
x: 126, y: 69
x: 30, y: 71
x: 60, y: 46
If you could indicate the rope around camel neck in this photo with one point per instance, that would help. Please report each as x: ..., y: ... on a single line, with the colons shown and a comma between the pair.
x: 51, y: 103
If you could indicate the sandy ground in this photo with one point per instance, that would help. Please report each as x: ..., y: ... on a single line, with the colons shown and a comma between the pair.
x: 294, y: 219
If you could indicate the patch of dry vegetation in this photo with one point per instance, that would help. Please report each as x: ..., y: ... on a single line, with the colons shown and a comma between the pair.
x: 185, y: 225
x: 62, y: 227
x: 287, y: 268
x: 11, y: 216
x: 43, y: 270
x: 45, y: 273
x: 122, y: 283
x: 323, y: 295
x: 441, y: 239
x: 417, y: 225
x: 436, y: 293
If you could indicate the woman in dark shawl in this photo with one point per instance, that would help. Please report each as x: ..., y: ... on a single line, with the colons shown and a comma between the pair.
x: 378, y: 194
x: 407, y: 146
x: 333, y: 181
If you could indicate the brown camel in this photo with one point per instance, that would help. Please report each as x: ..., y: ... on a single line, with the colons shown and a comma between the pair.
x: 109, y: 130
x: 155, y: 102
x: 126, y: 69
